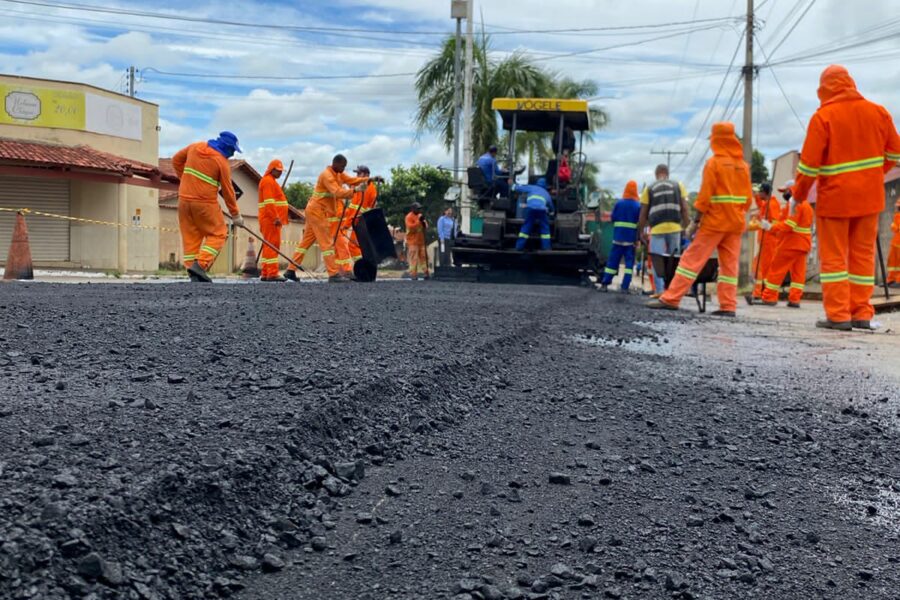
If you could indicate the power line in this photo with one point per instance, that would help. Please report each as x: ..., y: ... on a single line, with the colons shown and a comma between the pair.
x: 277, y: 77
x: 783, y: 93
x: 791, y: 30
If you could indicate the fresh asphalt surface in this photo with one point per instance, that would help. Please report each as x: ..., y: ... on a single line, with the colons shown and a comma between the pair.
x: 435, y: 440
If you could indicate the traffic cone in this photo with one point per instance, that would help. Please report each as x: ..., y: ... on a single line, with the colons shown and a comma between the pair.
x: 18, y: 260
x: 249, y: 268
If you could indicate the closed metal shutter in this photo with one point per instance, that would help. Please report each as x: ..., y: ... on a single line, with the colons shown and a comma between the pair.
x: 48, y: 237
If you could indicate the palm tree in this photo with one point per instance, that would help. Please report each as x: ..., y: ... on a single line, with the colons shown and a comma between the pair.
x: 511, y: 77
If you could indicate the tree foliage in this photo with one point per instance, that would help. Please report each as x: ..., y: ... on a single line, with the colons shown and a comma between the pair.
x: 759, y: 173
x: 298, y: 193
x: 424, y: 184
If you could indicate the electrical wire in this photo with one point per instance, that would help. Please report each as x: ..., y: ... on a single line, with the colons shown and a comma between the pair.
x: 277, y: 77
x: 787, y: 36
x: 778, y: 83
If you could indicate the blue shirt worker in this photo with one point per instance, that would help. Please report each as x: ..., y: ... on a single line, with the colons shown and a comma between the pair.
x: 446, y: 230
x: 495, y: 177
x: 625, y: 217
x: 539, y: 205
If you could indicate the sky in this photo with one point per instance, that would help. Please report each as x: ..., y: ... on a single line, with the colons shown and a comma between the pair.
x: 661, y: 67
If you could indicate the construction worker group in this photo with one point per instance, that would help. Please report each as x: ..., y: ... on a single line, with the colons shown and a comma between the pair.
x: 850, y: 143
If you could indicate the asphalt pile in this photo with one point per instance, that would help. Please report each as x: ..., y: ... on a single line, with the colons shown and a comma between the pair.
x: 419, y: 441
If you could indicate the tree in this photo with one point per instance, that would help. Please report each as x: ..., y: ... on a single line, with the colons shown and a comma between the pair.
x: 759, y: 173
x: 298, y: 193
x: 418, y: 183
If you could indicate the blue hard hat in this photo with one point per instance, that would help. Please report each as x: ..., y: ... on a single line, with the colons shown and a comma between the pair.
x: 229, y: 139
x: 542, y: 182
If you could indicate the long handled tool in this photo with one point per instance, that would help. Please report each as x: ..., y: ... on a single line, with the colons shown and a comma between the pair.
x: 271, y: 246
x: 884, y: 279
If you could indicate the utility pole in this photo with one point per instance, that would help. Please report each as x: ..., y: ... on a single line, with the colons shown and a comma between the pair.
x: 465, y: 214
x: 458, y: 12
x: 749, y: 72
x: 131, y: 91
x: 668, y: 154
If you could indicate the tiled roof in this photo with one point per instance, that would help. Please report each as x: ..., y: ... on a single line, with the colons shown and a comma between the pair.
x: 29, y: 153
x: 165, y: 166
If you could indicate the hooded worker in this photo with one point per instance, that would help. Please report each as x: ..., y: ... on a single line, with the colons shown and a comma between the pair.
x: 323, y: 214
x: 416, y: 255
x: 273, y: 216
x: 538, y: 206
x: 850, y: 144
x: 203, y: 170
x: 768, y: 210
x: 794, y: 234
x: 724, y: 198
x: 893, y: 275
x: 625, y: 215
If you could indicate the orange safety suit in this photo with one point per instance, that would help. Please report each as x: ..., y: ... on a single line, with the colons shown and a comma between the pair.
x: 202, y: 171
x: 415, y: 244
x: 724, y: 198
x: 362, y: 203
x: 769, y: 210
x: 849, y: 145
x: 893, y: 266
x: 322, y: 215
x: 273, y: 215
x: 303, y: 246
x: 790, y: 257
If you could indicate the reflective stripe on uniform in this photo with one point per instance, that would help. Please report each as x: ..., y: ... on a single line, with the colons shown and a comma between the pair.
x: 728, y: 199
x: 807, y: 170
x: 333, y: 219
x: 269, y: 261
x: 201, y: 176
x: 328, y: 253
x: 892, y: 156
x: 796, y: 228
x: 267, y: 201
x: 609, y: 271
x: 861, y: 279
x: 834, y: 277
x: 772, y: 286
x: 190, y: 257
x: 686, y: 273
x: 281, y: 203
x: 523, y: 235
x: 545, y: 236
x: 893, y: 269
x: 727, y: 279
x: 209, y: 249
x: 629, y: 271
x: 625, y: 224
x: 322, y: 195
x: 850, y: 167
x: 797, y: 286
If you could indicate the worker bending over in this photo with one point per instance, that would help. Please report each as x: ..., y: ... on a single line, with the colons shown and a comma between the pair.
x: 849, y: 145
x: 203, y: 169
x: 767, y: 209
x: 794, y: 243
x: 893, y: 275
x: 322, y: 210
x: 538, y: 206
x: 273, y: 216
x: 416, y: 254
x: 725, y: 196
x: 625, y: 217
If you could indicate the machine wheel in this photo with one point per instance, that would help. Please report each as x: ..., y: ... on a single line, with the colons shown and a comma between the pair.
x: 365, y: 271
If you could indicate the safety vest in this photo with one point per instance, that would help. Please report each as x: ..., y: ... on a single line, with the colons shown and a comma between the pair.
x: 665, y: 202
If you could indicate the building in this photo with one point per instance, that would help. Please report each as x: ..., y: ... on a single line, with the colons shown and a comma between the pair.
x: 246, y: 185
x: 87, y: 159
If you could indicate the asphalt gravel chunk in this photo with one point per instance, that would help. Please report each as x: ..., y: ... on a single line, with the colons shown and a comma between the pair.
x: 416, y: 441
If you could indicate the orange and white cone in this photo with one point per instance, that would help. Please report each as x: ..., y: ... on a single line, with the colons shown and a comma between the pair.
x: 249, y: 269
x: 18, y: 260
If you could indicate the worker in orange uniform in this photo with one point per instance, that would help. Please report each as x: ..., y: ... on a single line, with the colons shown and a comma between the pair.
x: 724, y: 198
x: 794, y: 245
x: 362, y: 203
x: 203, y: 170
x: 415, y: 241
x: 300, y: 250
x: 767, y: 209
x: 322, y: 211
x: 893, y: 274
x: 849, y: 145
x: 273, y: 215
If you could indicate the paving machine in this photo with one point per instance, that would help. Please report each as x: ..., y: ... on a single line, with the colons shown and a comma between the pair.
x: 491, y: 255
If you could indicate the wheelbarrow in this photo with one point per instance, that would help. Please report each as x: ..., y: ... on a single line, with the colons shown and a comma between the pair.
x: 375, y: 241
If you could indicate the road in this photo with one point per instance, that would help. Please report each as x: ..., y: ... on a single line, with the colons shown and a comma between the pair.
x: 437, y: 441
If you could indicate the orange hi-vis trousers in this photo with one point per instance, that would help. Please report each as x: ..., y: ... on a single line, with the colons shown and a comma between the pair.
x: 893, y: 265
x: 763, y: 263
x: 302, y: 247
x: 341, y: 247
x: 847, y: 253
x: 416, y: 257
x: 272, y: 234
x: 793, y: 261
x: 318, y: 220
x: 203, y: 232
x: 694, y: 259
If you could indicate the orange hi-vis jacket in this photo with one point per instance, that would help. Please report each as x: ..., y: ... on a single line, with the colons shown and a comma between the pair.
x: 772, y: 214
x: 849, y: 145
x: 795, y: 231
x: 273, y: 204
x: 330, y: 188
x: 362, y: 202
x: 202, y: 171
x: 726, y: 191
x: 415, y: 230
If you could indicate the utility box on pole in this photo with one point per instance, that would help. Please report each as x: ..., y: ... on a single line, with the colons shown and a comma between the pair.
x: 458, y: 9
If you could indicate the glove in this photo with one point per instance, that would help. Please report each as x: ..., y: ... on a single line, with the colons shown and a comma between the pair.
x: 793, y: 205
x: 237, y: 220
x: 360, y: 188
x: 765, y: 225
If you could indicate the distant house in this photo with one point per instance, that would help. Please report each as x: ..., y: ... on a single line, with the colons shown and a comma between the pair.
x: 246, y: 183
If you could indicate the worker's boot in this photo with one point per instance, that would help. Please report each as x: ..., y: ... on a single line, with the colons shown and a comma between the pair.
x: 659, y: 304
x: 724, y: 313
x: 338, y: 279
x: 197, y: 274
x: 835, y: 325
x: 793, y: 305
x: 765, y: 303
x: 861, y: 324
x: 291, y: 275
